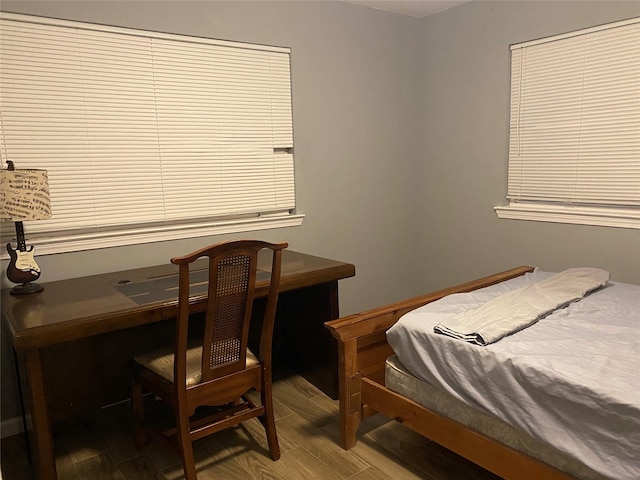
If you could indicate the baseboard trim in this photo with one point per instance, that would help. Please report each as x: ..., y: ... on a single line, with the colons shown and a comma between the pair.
x: 13, y: 426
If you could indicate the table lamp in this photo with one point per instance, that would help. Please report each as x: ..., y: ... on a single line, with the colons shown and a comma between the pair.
x: 24, y: 195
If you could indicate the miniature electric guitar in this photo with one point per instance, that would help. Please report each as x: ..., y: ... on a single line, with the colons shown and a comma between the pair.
x: 22, y: 266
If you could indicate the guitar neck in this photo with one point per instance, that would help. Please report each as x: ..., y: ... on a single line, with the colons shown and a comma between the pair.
x: 22, y: 245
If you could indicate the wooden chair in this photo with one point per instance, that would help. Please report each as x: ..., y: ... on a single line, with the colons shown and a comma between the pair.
x: 227, y: 370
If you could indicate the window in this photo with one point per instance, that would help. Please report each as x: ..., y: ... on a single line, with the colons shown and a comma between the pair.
x: 146, y: 136
x: 574, y: 141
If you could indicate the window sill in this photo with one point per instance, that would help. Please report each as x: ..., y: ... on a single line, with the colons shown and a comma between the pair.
x: 580, y: 215
x: 76, y: 241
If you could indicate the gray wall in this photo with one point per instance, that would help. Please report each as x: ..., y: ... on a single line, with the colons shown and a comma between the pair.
x: 354, y: 78
x: 463, y: 163
x: 400, y: 127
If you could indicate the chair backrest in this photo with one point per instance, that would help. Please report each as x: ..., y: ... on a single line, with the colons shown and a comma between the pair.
x: 233, y: 270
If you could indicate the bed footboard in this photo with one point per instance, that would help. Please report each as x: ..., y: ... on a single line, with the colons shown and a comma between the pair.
x: 363, y: 348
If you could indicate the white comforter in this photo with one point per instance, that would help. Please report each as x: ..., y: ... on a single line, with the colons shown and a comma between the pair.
x: 572, y: 379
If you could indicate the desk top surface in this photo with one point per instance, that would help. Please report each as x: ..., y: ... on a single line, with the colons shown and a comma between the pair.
x: 85, y: 306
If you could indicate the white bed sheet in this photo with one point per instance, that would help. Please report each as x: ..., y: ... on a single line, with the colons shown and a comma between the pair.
x: 571, y: 380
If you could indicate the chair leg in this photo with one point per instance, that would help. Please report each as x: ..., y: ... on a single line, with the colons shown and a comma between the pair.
x: 186, y: 447
x: 269, y: 422
x: 140, y: 434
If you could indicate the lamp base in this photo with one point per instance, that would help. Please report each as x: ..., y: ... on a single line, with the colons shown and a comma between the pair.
x: 26, y: 288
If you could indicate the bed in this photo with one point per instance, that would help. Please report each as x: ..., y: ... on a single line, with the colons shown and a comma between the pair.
x: 526, y: 422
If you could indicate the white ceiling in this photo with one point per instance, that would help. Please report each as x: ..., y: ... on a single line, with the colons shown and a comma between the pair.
x: 413, y: 8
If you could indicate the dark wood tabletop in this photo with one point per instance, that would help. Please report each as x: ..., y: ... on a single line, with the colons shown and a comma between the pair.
x: 81, y: 307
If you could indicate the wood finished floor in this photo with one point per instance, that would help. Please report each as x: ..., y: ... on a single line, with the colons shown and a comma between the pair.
x: 101, y: 447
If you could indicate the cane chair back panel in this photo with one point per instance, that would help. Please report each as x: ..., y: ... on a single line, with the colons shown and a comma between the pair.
x: 230, y: 301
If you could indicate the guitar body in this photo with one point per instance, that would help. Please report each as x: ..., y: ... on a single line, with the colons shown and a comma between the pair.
x: 22, y: 266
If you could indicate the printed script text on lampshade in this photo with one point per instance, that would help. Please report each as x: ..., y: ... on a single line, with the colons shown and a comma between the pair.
x: 24, y: 195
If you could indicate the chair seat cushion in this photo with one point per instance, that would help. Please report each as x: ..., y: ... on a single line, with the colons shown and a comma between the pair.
x: 160, y: 362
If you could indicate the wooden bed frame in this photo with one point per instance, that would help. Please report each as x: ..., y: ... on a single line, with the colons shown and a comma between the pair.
x: 362, y: 351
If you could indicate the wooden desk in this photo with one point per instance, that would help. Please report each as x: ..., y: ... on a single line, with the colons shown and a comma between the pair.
x: 74, y: 338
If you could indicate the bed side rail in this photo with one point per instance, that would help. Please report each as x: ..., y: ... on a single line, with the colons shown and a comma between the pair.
x: 481, y: 450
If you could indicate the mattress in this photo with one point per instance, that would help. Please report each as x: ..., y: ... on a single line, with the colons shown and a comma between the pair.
x: 400, y: 380
x: 570, y: 380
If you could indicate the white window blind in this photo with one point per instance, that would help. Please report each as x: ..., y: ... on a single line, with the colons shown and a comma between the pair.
x: 574, y: 142
x: 144, y: 132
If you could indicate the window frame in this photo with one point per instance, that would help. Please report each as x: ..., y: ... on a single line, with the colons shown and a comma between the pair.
x: 624, y: 212
x: 276, y: 145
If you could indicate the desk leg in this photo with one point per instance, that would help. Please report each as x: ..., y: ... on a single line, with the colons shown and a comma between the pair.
x: 45, y: 458
x: 23, y: 410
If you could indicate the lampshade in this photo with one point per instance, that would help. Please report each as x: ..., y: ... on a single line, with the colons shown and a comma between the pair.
x: 24, y: 195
